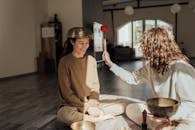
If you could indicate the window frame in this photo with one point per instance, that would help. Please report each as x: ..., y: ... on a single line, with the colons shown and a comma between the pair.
x: 131, y: 41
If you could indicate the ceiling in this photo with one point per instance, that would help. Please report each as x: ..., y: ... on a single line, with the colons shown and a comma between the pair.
x: 111, y: 4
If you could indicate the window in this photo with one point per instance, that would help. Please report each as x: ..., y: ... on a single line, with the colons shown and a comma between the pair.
x: 164, y: 24
x: 149, y: 24
x: 125, y: 35
x: 130, y: 33
x: 137, y: 30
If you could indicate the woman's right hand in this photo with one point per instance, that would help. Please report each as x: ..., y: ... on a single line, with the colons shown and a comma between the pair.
x: 106, y: 58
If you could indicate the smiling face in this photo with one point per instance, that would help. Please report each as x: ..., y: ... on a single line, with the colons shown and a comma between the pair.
x: 80, y: 46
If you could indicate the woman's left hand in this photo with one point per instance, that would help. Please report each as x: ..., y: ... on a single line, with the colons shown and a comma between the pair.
x: 94, y: 111
x: 169, y: 125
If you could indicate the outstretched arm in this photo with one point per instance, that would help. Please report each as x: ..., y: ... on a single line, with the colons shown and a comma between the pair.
x: 133, y: 78
x: 106, y: 59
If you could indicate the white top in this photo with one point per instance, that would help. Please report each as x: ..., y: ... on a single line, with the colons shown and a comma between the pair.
x: 177, y: 83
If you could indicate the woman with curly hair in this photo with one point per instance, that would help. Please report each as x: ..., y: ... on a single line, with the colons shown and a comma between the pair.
x: 170, y: 76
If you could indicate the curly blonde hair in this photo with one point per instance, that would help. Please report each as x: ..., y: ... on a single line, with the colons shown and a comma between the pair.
x: 159, y: 48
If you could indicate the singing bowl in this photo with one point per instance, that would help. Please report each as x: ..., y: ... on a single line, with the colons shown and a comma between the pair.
x: 162, y: 107
x: 83, y: 125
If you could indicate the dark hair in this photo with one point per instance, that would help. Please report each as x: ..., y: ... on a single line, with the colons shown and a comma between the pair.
x: 72, y: 35
x: 68, y: 48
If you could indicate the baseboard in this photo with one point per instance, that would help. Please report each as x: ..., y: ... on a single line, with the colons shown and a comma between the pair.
x: 17, y: 76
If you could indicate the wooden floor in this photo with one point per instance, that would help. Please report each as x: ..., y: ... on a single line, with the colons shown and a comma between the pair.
x: 30, y: 102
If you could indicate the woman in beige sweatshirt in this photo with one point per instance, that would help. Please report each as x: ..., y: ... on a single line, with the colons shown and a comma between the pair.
x: 79, y: 84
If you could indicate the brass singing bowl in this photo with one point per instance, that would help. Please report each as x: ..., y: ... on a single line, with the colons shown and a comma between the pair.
x: 83, y: 125
x: 162, y: 107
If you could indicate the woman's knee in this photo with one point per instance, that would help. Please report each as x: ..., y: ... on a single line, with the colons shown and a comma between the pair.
x: 68, y: 115
x: 134, y: 112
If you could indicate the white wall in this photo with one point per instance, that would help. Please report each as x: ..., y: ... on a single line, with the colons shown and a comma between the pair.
x: 186, y: 23
x: 19, y: 41
x: 69, y: 12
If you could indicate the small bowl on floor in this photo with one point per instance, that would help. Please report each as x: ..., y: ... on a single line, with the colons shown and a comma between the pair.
x: 162, y: 107
x: 83, y: 125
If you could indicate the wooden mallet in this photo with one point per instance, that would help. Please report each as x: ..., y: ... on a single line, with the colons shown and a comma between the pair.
x: 104, y: 29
